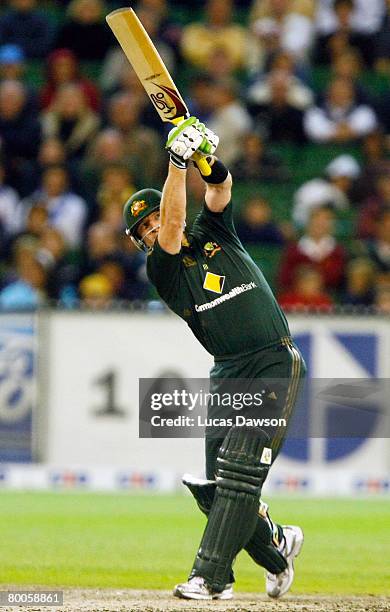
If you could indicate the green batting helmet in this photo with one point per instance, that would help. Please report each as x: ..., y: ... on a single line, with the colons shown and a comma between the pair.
x: 139, y: 206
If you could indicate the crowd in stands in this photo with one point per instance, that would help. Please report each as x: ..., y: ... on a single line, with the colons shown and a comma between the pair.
x: 280, y: 81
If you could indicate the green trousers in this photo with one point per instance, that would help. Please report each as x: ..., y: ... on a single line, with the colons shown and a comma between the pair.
x: 275, y: 373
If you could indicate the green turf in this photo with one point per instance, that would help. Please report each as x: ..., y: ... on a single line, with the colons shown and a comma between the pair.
x: 140, y: 541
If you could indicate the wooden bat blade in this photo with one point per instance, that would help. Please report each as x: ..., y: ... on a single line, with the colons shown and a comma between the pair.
x: 147, y: 63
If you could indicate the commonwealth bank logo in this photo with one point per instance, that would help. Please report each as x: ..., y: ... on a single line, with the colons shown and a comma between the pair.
x: 214, y: 282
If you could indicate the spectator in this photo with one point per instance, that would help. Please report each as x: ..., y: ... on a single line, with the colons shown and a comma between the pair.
x: 299, y: 95
x: 365, y: 17
x: 130, y: 84
x: 256, y: 225
x: 134, y: 264
x: 220, y: 65
x: 63, y: 68
x: 25, y: 26
x: 280, y: 24
x: 96, y: 291
x: 378, y: 247
x: 112, y: 215
x: 20, y: 135
x: 348, y: 23
x: 335, y: 189
x: 382, y: 300
x: 116, y: 185
x: 384, y: 110
x: 382, y: 48
x: 348, y: 65
x: 108, y: 147
x: 10, y: 210
x: 116, y: 256
x: 256, y: 163
x: 66, y: 210
x: 318, y: 248
x: 115, y: 273
x: 218, y: 31
x: 230, y: 120
x: 51, y: 152
x: 26, y: 290
x: 128, y: 279
x: 102, y: 243
x: 12, y: 67
x: 307, y: 292
x: 282, y: 120
x: 142, y: 145
x: 85, y: 32
x: 62, y: 269
x: 199, y: 100
x: 36, y: 221
x: 340, y: 119
x: 12, y: 64
x: 376, y: 163
x: 373, y: 207
x: 169, y: 31
x: 359, y: 283
x: 70, y: 120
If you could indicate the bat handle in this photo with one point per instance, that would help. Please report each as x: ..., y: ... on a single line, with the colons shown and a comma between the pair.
x: 202, y: 163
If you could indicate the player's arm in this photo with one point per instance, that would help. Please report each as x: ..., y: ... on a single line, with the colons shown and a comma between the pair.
x: 183, y: 141
x: 218, y: 186
x: 173, y: 210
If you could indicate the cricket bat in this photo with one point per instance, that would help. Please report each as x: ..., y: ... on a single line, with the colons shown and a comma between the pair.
x: 151, y: 71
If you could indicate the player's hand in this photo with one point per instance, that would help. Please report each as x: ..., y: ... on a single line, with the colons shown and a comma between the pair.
x: 184, y: 140
x: 210, y: 142
x: 187, y: 138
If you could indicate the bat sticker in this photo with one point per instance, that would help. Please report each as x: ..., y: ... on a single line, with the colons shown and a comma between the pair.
x: 160, y: 102
x: 164, y: 102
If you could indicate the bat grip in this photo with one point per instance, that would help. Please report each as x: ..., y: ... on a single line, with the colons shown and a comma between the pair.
x: 202, y: 163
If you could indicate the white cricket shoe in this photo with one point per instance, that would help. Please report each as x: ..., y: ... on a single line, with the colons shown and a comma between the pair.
x: 196, y: 588
x: 278, y: 584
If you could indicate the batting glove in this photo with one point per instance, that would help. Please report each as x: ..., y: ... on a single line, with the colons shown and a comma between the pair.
x: 184, y: 140
x: 188, y: 137
x: 210, y: 142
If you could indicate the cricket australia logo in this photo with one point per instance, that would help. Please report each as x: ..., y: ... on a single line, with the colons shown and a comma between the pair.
x: 210, y: 249
x: 137, y: 207
x: 214, y: 282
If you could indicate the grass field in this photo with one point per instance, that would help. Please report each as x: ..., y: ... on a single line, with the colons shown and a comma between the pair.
x: 148, y: 542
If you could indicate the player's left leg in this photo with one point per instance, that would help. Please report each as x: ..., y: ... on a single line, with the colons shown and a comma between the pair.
x: 233, y: 514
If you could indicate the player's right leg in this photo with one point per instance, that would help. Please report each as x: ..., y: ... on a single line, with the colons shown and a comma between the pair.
x: 233, y: 515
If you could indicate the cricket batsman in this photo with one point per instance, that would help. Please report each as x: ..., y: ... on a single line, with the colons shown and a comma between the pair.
x: 207, y: 278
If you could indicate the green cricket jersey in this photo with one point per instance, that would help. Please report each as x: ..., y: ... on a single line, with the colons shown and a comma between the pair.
x: 215, y: 286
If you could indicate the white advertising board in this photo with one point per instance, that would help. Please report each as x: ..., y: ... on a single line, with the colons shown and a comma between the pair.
x: 90, y: 365
x: 96, y: 360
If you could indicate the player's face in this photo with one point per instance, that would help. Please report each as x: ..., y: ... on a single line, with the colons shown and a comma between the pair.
x: 148, y: 228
